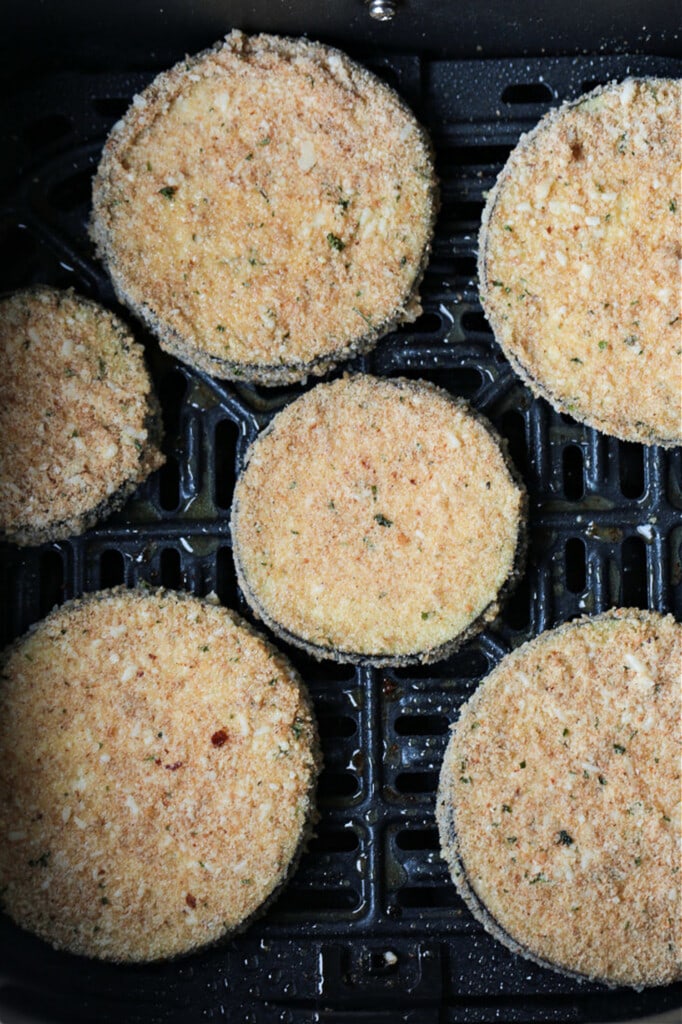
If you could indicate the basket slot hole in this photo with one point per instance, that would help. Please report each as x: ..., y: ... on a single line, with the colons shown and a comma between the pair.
x: 111, y: 568
x: 633, y: 573
x: 474, y: 155
x: 421, y: 725
x: 412, y: 896
x: 466, y: 210
x: 224, y: 448
x: 335, y: 840
x: 334, y: 726
x: 513, y: 427
x: 576, y: 570
x: 172, y: 393
x: 51, y: 581
x: 18, y: 256
x: 527, y: 92
x: 517, y: 610
x: 464, y: 266
x: 467, y: 664
x: 72, y: 192
x: 335, y: 785
x: 111, y: 107
x: 475, y: 323
x: 171, y: 571
x: 416, y: 782
x: 418, y: 839
x: 591, y: 83
x: 301, y: 901
x: 226, y: 586
x: 572, y: 466
x: 17, y: 243
x: 47, y: 130
x: 388, y: 75
x: 382, y: 962
x: 631, y: 469
x: 169, y: 484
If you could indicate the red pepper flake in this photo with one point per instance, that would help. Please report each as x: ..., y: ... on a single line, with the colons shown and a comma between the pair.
x: 219, y: 738
x: 140, y: 673
x: 190, y: 900
x: 173, y: 767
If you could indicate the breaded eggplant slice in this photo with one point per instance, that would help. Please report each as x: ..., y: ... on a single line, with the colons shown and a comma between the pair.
x: 157, y: 773
x: 266, y: 208
x: 377, y: 521
x: 79, y: 422
x: 559, y: 799
x: 579, y: 260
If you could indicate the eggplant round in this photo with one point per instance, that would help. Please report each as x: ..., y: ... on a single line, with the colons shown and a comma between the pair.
x: 378, y: 521
x: 559, y: 799
x: 266, y: 208
x: 157, y: 777
x: 579, y: 254
x: 79, y: 420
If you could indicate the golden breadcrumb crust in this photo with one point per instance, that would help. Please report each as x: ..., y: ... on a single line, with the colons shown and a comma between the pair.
x: 579, y: 260
x: 266, y: 207
x: 157, y: 771
x: 559, y: 799
x: 377, y: 520
x: 78, y: 420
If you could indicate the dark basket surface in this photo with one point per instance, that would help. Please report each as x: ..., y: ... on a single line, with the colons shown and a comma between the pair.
x: 370, y: 928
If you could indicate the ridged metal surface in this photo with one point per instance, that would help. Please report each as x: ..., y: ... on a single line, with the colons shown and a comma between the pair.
x: 370, y: 928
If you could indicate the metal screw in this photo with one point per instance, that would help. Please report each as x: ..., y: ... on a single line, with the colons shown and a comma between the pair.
x: 381, y: 10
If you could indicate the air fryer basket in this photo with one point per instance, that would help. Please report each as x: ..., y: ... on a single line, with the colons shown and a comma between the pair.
x: 370, y: 929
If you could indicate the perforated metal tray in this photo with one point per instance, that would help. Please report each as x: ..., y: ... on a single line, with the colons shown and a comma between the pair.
x: 370, y: 929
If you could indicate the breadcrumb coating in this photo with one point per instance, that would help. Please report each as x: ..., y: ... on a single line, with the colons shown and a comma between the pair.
x: 579, y: 259
x: 157, y: 774
x: 377, y: 520
x: 267, y: 208
x: 559, y: 799
x: 78, y: 419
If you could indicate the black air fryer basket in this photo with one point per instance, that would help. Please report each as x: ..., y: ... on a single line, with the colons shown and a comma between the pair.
x: 370, y: 929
